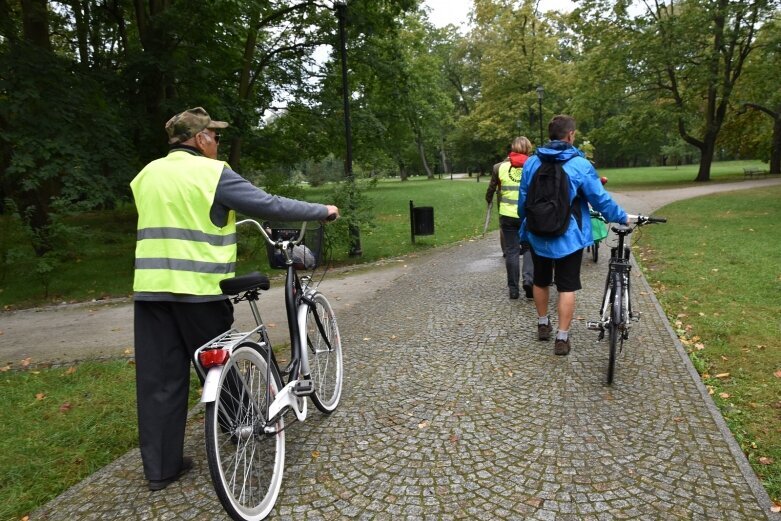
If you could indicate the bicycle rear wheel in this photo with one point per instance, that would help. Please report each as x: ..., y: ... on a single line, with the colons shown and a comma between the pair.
x: 324, y: 348
x: 616, y: 326
x: 245, y: 462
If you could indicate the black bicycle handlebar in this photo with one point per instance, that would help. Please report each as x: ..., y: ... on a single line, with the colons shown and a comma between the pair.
x: 646, y: 219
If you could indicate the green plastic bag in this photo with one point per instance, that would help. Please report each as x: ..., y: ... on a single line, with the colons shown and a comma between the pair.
x: 598, y: 228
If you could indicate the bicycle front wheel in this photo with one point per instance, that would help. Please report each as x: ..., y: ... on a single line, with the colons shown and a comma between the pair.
x: 245, y: 461
x: 615, y: 328
x: 324, y: 349
x: 595, y: 251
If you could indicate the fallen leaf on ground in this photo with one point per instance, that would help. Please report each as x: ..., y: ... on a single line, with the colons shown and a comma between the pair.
x: 722, y: 375
x: 724, y: 395
x: 700, y: 346
x: 26, y: 362
x: 534, y: 502
x: 5, y: 368
x: 40, y: 396
x: 765, y: 460
x: 315, y: 454
x: 65, y: 407
x: 777, y: 374
x: 128, y: 351
x: 70, y: 370
x: 423, y: 424
x: 775, y: 508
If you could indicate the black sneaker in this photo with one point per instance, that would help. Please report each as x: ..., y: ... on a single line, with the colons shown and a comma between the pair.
x: 527, y: 288
x: 514, y: 293
x: 544, y: 331
x: 155, y: 485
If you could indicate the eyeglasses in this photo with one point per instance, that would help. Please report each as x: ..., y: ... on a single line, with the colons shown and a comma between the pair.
x: 215, y: 137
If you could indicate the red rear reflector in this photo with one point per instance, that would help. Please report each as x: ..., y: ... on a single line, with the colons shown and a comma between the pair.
x: 213, y: 357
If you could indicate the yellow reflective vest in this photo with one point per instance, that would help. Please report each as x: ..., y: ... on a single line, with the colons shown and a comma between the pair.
x: 179, y: 250
x: 510, y: 181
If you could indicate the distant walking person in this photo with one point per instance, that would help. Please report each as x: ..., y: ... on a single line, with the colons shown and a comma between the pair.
x: 506, y: 181
x: 562, y: 252
x: 186, y: 244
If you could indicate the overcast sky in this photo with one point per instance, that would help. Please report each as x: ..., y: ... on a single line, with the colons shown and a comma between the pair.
x: 455, y: 12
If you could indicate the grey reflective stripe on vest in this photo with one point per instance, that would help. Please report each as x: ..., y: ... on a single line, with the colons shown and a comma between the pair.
x: 161, y: 263
x: 186, y: 235
x: 509, y: 188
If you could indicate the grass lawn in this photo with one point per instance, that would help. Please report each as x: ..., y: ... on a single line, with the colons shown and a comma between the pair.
x: 718, y: 278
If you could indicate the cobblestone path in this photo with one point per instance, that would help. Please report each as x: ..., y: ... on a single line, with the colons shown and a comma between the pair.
x: 453, y: 410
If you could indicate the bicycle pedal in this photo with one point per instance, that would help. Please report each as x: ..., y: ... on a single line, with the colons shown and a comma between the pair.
x: 593, y: 326
x: 304, y: 388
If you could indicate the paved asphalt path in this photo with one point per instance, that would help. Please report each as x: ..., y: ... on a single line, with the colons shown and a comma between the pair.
x: 453, y: 410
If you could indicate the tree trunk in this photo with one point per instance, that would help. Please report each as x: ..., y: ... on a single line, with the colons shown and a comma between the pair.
x: 443, y: 154
x: 706, y: 158
x: 775, y: 150
x: 422, y: 153
x: 35, y: 22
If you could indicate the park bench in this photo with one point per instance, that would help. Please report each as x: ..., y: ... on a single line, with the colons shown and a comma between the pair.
x: 754, y: 172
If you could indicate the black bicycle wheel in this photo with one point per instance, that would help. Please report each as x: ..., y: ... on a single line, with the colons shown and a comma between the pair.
x: 615, y: 328
x: 595, y: 251
x: 245, y: 461
x: 324, y: 351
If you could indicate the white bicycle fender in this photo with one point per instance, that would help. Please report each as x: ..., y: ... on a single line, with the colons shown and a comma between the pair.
x: 211, y: 384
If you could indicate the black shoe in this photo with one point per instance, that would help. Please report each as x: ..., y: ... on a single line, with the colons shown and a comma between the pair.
x: 514, y: 293
x: 527, y: 288
x: 187, y: 464
x: 544, y: 331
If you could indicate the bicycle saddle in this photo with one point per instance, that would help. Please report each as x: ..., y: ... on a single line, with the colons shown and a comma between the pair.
x: 236, y: 285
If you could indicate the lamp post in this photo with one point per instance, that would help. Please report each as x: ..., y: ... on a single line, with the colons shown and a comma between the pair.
x: 540, y: 92
x: 355, y: 232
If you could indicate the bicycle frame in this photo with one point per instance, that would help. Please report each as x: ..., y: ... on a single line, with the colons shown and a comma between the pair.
x: 292, y: 395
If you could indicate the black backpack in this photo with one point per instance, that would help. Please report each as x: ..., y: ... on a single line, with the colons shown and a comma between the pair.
x: 547, y: 201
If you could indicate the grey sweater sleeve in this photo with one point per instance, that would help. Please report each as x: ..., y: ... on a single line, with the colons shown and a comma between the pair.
x: 236, y: 193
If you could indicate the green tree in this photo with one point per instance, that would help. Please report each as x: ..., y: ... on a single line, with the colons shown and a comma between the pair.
x: 684, y: 57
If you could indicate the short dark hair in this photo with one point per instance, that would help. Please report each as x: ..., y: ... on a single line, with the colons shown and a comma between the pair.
x: 560, y: 126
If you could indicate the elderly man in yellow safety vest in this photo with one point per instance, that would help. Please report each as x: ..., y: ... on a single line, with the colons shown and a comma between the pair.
x: 186, y: 244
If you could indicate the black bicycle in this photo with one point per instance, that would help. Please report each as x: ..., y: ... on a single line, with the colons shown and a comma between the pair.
x: 247, y: 393
x: 616, y: 312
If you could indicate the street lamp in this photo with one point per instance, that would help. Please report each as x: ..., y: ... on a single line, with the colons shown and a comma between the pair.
x: 540, y: 92
x: 355, y: 232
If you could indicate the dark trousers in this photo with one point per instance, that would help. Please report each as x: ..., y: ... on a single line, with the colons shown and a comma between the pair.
x: 510, y: 227
x: 166, y: 336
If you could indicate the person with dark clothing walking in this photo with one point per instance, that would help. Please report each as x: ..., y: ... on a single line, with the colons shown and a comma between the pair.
x: 506, y: 182
x: 562, y: 254
x: 186, y: 244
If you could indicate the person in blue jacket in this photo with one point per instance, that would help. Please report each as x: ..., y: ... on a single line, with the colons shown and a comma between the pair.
x: 562, y: 254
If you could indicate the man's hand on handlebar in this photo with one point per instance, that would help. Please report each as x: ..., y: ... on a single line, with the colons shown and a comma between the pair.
x: 333, y: 212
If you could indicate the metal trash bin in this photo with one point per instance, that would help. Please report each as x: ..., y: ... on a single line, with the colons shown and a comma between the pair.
x: 421, y: 220
x: 424, y: 220
x: 313, y: 239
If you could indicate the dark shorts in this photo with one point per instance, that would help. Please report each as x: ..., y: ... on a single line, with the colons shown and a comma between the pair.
x: 567, y: 270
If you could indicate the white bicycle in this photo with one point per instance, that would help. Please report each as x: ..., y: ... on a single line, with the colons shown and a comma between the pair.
x: 247, y: 394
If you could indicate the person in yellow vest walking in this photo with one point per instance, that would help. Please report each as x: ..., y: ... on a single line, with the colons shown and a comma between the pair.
x: 507, y: 182
x: 186, y: 244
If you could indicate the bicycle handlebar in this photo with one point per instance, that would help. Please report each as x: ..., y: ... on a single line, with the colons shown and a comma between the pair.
x: 645, y: 219
x: 278, y: 243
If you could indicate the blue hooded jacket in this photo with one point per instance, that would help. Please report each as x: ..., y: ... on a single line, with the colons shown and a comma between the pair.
x: 583, y: 180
